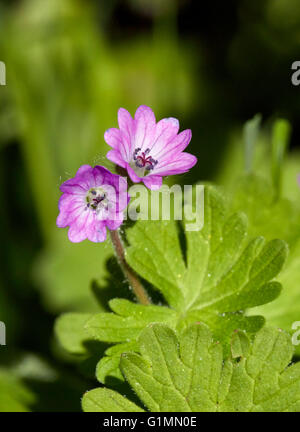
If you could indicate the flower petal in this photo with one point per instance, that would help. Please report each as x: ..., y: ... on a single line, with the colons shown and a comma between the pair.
x: 83, y: 169
x: 145, y: 126
x: 113, y: 137
x: 113, y: 224
x: 115, y: 157
x: 126, y: 125
x: 96, y: 232
x: 152, y: 182
x: 166, y: 129
x: 68, y: 206
x: 176, y: 145
x: 135, y: 178
x: 76, y: 235
x: 182, y: 163
x: 81, y: 183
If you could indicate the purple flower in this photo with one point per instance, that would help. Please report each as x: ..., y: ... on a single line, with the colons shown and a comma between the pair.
x: 91, y: 201
x: 149, y: 150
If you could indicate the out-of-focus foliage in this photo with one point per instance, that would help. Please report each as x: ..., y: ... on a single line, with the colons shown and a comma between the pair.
x: 66, y: 82
x: 14, y: 396
x: 270, y: 196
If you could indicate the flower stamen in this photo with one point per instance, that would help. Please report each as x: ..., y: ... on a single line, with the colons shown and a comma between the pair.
x: 144, y: 161
x: 96, y: 199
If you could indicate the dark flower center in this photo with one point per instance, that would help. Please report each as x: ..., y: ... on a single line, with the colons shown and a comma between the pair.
x: 96, y: 199
x: 144, y: 160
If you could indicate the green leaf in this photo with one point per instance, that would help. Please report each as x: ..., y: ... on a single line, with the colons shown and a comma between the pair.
x: 188, y: 373
x: 239, y: 345
x: 70, y: 332
x: 267, y: 215
x: 108, y: 367
x: 274, y: 217
x: 286, y: 310
x: 104, y: 400
x: 127, y: 322
x: 155, y: 254
x: 224, y: 274
x: 123, y: 327
x: 14, y: 395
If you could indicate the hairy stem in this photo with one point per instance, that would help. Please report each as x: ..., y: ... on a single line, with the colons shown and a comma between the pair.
x: 130, y: 275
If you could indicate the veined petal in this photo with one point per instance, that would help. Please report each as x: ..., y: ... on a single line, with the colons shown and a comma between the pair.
x: 166, y: 129
x: 126, y: 125
x: 135, y: 178
x: 76, y: 235
x: 176, y: 145
x: 115, y: 157
x: 181, y: 164
x: 145, y: 125
x: 96, y: 232
x: 69, y: 208
x: 73, y: 186
x: 113, y: 137
x: 79, y: 226
x: 152, y: 182
x: 113, y: 224
x: 82, y: 181
x: 83, y: 169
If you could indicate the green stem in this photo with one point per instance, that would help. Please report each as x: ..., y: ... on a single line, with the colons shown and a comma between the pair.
x: 130, y: 275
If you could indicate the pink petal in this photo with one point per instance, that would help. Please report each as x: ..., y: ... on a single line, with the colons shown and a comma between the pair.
x: 115, y: 157
x: 83, y: 169
x: 152, y: 182
x: 75, y: 235
x: 176, y: 145
x: 126, y: 125
x: 66, y: 200
x: 113, y: 224
x: 181, y: 164
x: 62, y: 220
x: 113, y: 137
x: 99, y: 175
x: 81, y: 183
x: 69, y: 207
x: 96, y: 232
x: 145, y: 125
x: 166, y: 129
x: 132, y: 174
x: 73, y: 186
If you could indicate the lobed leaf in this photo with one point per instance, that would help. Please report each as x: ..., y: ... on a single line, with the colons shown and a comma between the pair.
x: 187, y: 373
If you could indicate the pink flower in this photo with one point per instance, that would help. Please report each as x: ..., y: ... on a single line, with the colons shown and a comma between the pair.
x: 91, y: 201
x: 149, y: 150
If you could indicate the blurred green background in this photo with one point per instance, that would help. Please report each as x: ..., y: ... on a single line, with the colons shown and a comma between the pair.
x: 70, y: 64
